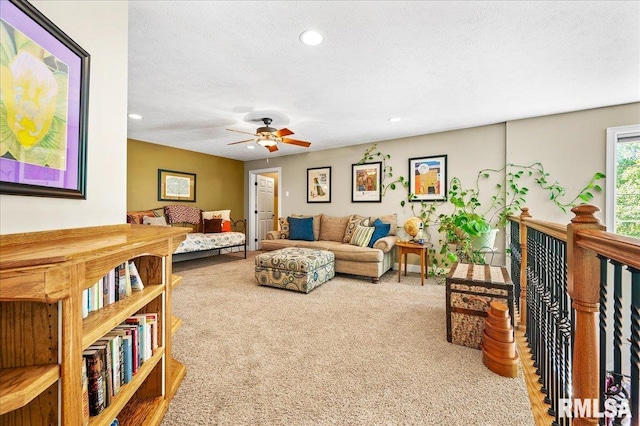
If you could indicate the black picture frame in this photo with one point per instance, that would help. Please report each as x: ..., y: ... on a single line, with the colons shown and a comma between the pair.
x: 53, y: 163
x: 176, y: 186
x: 319, y: 185
x: 428, y: 178
x: 365, y: 182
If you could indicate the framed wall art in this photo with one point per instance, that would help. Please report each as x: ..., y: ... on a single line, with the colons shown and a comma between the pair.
x: 176, y: 186
x: 319, y: 185
x: 428, y: 178
x: 365, y: 183
x: 43, y: 113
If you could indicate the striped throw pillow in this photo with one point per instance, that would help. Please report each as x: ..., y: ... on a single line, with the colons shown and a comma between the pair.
x: 362, y: 235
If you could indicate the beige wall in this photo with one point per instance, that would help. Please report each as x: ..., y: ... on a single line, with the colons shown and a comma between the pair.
x: 101, y: 29
x: 572, y: 148
x: 466, y: 150
x: 219, y: 181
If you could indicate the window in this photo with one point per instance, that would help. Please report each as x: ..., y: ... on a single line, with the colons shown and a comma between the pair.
x: 623, y: 180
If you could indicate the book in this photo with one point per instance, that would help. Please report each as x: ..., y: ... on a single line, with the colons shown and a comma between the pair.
x: 126, y: 369
x: 127, y: 279
x: 136, y: 280
x: 105, y: 353
x: 118, y: 354
x: 111, y: 283
x: 152, y: 320
x: 95, y: 380
x: 144, y: 336
x: 132, y: 330
x: 122, y: 281
x: 85, y: 303
x: 85, y: 395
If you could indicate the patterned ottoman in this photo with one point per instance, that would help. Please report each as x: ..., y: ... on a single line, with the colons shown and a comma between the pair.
x: 298, y: 269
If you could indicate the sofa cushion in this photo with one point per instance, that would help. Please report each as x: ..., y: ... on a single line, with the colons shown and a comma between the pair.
x: 284, y: 227
x: 316, y: 224
x: 332, y: 228
x: 381, y: 229
x: 357, y: 253
x: 362, y: 235
x: 301, y: 228
x: 353, y: 222
x: 391, y: 219
x: 320, y: 245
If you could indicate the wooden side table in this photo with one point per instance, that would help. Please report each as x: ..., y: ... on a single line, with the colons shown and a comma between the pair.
x: 422, y: 250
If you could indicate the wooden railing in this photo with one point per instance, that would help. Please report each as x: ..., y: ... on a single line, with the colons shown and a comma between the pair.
x: 565, y: 292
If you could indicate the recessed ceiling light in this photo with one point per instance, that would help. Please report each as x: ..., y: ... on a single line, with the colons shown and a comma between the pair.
x: 311, y: 38
x: 135, y: 116
x: 395, y: 119
x: 251, y: 147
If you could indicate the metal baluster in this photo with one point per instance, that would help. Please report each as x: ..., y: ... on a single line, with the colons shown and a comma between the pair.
x: 603, y: 332
x: 635, y: 346
x: 617, y: 326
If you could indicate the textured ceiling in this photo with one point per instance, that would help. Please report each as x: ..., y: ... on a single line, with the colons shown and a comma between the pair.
x: 197, y: 68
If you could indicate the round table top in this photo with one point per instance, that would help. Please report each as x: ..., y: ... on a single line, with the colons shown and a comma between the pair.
x: 412, y: 244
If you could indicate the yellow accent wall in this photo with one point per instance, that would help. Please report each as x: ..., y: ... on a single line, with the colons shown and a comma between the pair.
x: 219, y: 181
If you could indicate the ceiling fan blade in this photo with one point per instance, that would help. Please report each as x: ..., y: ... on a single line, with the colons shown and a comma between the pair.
x: 233, y: 143
x: 272, y: 148
x: 240, y: 131
x: 296, y: 142
x: 283, y: 132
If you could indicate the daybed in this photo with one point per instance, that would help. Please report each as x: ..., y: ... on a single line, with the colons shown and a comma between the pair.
x: 207, y: 237
x: 344, y: 237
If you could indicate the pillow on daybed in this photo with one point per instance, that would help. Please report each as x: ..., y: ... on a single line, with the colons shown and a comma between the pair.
x: 216, y: 214
x: 301, y: 228
x: 211, y: 226
x: 156, y: 221
x: 137, y: 216
x: 381, y: 230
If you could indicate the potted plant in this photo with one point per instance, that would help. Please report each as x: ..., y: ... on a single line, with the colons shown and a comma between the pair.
x: 472, y: 227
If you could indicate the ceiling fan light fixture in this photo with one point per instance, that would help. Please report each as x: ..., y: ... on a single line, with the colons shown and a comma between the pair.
x: 311, y: 38
x: 266, y: 142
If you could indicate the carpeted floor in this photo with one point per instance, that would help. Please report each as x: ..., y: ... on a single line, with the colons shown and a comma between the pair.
x: 348, y: 353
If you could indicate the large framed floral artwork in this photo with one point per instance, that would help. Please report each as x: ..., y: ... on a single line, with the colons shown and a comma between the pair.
x: 44, y: 94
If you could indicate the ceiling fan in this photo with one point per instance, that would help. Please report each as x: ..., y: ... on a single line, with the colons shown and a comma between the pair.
x: 269, y: 137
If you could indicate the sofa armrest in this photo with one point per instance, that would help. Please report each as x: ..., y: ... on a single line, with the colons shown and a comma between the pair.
x: 274, y: 235
x: 386, y: 243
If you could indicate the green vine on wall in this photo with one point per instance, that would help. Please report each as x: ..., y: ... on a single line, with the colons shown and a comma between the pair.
x: 387, y: 171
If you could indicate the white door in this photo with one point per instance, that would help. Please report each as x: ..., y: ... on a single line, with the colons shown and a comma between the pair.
x: 264, y: 207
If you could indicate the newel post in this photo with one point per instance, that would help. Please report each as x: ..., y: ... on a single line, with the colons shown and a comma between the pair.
x: 523, y: 268
x: 583, y: 268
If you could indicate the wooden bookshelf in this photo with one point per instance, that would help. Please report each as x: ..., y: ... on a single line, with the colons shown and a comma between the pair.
x: 18, y: 386
x: 42, y: 332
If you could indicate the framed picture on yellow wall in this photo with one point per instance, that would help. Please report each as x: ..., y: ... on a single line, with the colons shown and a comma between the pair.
x: 176, y: 186
x: 428, y: 178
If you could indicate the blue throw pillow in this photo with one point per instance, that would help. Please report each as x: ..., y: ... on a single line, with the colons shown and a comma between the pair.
x: 300, y: 228
x: 381, y: 230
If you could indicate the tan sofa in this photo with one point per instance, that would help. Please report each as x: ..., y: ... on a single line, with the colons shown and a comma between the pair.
x: 334, y: 234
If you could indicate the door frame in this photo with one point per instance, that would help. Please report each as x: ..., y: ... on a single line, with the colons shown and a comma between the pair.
x: 252, y: 224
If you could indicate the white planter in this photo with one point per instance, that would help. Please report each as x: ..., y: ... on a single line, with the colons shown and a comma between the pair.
x: 486, y: 240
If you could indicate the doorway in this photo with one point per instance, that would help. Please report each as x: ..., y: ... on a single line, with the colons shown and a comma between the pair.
x: 264, y: 204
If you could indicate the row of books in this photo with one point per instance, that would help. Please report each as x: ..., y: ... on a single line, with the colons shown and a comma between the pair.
x: 116, y: 285
x: 112, y: 361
